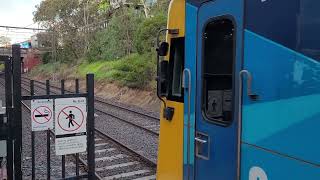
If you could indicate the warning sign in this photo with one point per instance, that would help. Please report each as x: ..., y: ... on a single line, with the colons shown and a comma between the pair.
x: 70, y: 125
x: 42, y: 114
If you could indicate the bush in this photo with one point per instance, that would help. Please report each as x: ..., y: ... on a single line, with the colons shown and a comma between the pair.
x: 45, y: 69
x: 135, y: 71
x: 146, y: 34
x: 46, y: 57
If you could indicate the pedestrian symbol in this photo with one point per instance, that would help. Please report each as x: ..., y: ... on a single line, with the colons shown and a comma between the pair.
x: 214, y: 107
x: 71, y: 118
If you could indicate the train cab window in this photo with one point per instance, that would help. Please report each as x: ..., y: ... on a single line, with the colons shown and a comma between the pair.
x: 217, y: 74
x: 176, y: 66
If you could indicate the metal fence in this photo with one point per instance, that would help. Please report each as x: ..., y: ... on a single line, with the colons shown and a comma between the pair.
x: 11, y: 128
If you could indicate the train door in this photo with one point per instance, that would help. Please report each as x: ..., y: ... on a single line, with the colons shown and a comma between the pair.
x: 219, y: 53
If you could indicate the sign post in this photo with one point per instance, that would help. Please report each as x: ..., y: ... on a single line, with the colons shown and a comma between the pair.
x: 70, y: 125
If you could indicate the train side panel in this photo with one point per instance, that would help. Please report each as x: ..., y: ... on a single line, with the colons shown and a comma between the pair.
x: 170, y: 152
x: 282, y: 51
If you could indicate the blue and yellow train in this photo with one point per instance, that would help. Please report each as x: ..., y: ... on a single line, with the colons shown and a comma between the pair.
x: 240, y: 85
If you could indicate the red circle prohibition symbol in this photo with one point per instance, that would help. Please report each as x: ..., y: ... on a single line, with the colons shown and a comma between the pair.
x: 62, y: 111
x: 36, y: 110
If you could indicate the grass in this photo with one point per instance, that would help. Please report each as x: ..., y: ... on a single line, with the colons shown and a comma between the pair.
x: 44, y: 69
x: 134, y: 71
x: 1, y: 67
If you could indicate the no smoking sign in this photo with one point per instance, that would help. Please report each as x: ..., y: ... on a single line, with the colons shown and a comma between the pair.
x: 42, y: 114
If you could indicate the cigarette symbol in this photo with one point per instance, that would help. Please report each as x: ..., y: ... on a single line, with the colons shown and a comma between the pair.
x: 42, y: 115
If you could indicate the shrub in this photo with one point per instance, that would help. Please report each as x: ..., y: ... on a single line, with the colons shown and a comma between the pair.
x: 46, y: 57
x: 45, y: 69
x: 135, y: 71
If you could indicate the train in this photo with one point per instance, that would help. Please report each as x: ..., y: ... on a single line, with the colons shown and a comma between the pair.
x: 239, y: 82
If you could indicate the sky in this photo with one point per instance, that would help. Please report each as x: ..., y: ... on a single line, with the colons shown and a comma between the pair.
x: 17, y: 13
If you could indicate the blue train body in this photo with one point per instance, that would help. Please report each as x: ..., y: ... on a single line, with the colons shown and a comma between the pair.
x: 251, y: 90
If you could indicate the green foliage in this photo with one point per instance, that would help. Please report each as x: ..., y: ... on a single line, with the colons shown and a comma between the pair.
x: 117, y: 40
x: 45, y: 69
x: 94, y: 67
x: 104, y: 5
x: 46, y: 57
x: 69, y: 20
x: 1, y: 67
x: 134, y: 71
x: 161, y: 7
x: 146, y: 35
x: 120, y: 51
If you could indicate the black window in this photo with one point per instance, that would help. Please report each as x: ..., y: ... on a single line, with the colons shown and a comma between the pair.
x: 176, y: 66
x: 217, y: 74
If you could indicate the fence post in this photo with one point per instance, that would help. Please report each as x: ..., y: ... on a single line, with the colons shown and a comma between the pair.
x: 90, y: 126
x: 33, y: 161
x: 48, y: 137
x: 77, y: 155
x: 63, y: 156
x: 17, y: 121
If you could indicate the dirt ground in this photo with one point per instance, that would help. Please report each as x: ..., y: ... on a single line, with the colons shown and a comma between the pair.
x: 145, y: 99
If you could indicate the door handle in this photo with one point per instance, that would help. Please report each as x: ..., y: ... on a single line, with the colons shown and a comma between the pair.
x: 187, y: 86
x: 252, y: 96
x: 200, y: 140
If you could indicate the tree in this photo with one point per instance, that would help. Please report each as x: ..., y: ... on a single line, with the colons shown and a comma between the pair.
x: 146, y: 34
x: 160, y: 7
x: 73, y: 21
x: 117, y: 40
x: 5, y: 41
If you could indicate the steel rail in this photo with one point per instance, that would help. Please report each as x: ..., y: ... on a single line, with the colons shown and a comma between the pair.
x: 149, y: 161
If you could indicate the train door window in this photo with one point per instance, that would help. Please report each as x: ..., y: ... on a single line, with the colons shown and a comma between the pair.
x: 217, y: 74
x: 176, y: 65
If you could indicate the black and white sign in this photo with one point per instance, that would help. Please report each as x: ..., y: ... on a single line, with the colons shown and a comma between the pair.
x: 42, y: 114
x: 214, y: 103
x: 70, y: 125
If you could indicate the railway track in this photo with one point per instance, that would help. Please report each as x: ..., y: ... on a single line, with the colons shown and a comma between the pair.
x: 137, y: 119
x: 114, y: 160
x: 134, y: 135
x: 103, y: 101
